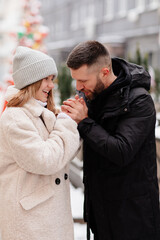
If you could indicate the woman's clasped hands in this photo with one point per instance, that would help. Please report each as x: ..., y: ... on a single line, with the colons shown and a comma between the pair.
x: 75, y: 108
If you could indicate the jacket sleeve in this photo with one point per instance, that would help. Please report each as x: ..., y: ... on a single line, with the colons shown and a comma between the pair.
x: 133, y: 129
x: 35, y: 155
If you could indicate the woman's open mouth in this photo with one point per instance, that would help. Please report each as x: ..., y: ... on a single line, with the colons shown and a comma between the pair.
x: 46, y: 92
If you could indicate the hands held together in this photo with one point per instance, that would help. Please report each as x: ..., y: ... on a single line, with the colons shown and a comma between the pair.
x: 75, y: 108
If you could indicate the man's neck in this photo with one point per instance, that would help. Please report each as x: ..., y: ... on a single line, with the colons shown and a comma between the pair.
x: 110, y: 80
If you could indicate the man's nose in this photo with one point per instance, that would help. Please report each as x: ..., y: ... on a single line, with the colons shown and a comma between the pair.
x: 79, y: 86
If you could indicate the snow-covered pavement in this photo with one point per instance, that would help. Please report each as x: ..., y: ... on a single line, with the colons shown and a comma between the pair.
x: 77, y: 198
x: 80, y: 231
x: 157, y: 132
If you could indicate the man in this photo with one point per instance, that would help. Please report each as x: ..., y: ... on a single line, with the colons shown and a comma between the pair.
x: 117, y: 124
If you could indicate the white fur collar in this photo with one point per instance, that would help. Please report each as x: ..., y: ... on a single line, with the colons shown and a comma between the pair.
x: 37, y: 110
x: 34, y: 108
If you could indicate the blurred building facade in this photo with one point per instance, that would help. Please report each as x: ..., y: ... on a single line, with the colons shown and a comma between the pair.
x: 120, y: 24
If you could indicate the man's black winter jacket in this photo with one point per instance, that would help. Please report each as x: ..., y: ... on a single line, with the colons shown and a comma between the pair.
x: 120, y: 172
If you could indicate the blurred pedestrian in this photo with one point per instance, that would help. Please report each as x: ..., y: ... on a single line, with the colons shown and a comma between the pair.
x: 36, y: 146
x: 117, y: 125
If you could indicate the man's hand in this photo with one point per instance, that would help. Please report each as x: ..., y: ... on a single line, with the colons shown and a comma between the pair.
x: 75, y: 108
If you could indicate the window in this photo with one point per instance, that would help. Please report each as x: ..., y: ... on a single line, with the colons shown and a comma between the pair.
x: 91, y: 10
x: 122, y: 6
x: 109, y: 7
x: 131, y: 4
x: 152, y: 4
x: 58, y: 23
x: 74, y: 19
x: 58, y: 28
x: 140, y: 5
x: 134, y: 8
x: 2, y: 2
x: 86, y: 12
x: 83, y: 14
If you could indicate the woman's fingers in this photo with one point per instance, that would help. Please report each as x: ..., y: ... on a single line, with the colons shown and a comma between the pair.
x: 67, y: 108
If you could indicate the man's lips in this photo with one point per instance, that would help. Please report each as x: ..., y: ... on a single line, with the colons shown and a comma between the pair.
x: 86, y: 93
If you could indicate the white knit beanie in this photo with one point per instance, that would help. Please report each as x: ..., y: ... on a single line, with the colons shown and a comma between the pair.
x: 30, y: 66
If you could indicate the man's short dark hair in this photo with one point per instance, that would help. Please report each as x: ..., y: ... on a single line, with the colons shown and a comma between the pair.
x: 87, y: 53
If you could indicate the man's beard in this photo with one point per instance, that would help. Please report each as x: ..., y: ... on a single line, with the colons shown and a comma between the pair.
x: 97, y: 90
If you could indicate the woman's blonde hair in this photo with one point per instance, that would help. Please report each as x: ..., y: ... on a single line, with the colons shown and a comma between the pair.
x: 27, y: 93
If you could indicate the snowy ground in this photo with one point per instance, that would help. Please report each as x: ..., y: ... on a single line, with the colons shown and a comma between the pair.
x: 77, y: 198
x: 157, y: 132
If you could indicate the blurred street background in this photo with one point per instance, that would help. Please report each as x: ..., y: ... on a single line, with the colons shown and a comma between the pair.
x: 129, y: 28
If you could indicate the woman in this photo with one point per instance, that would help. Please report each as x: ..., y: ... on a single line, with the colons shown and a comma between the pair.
x: 35, y: 149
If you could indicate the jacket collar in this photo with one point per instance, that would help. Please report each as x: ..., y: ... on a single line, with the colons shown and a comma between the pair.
x: 37, y: 110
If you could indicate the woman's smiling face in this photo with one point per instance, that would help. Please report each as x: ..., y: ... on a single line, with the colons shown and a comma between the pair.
x: 46, y: 86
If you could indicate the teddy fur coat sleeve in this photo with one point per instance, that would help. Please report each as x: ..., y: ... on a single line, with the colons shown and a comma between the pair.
x: 32, y: 152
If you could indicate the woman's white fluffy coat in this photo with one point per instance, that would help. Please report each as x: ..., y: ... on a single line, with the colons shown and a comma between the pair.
x: 33, y: 155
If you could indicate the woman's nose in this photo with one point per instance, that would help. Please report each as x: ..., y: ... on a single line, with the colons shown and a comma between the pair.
x: 51, y: 84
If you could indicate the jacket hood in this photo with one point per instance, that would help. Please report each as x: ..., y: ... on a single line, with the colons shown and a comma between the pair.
x: 136, y: 75
x: 129, y: 75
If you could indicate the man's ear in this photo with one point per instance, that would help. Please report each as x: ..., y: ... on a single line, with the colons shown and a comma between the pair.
x: 105, y: 71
